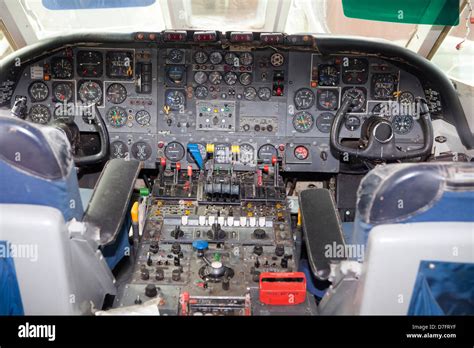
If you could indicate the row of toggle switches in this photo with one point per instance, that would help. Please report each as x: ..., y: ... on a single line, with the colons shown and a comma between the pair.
x: 230, y: 221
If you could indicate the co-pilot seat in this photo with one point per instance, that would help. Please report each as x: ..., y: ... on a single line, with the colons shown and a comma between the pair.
x: 53, y: 250
x: 411, y: 247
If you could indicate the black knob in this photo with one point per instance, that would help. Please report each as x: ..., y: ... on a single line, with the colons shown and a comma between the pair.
x: 259, y: 233
x: 216, y: 232
x: 138, y: 300
x: 324, y: 155
x: 279, y: 250
x: 284, y: 263
x: 176, y: 275
x: 150, y: 290
x: 225, y: 284
x: 144, y: 274
x: 256, y: 277
x: 160, y: 274
x: 258, y: 250
x: 175, y: 248
x: 154, y: 247
x: 177, y: 232
x: 176, y: 261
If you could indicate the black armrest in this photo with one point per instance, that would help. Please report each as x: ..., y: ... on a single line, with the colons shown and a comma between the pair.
x: 111, y: 198
x: 321, y: 228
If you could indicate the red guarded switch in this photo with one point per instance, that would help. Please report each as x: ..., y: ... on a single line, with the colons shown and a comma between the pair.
x: 282, y: 289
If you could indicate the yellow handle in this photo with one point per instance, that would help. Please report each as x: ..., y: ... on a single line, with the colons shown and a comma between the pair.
x: 134, y: 212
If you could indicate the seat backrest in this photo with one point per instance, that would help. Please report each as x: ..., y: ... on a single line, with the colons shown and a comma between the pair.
x: 37, y: 167
x: 418, y: 192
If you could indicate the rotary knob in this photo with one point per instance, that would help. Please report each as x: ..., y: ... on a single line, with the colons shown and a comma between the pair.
x: 259, y: 233
x: 150, y: 290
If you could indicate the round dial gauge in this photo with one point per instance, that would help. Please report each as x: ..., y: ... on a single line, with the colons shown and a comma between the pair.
x: 406, y: 98
x: 200, y: 77
x: 328, y: 99
x: 201, y: 92
x: 245, y: 79
x: 215, y: 58
x: 89, y: 63
x: 328, y: 75
x: 277, y: 59
x: 303, y: 122
x: 352, y: 122
x: 174, y: 151
x: 175, y: 99
x: 200, y: 57
x: 116, y: 93
x: 175, y: 74
x: 61, y: 68
x: 301, y: 152
x: 141, y: 150
x: 117, y: 116
x: 202, y: 151
x: 175, y: 56
x: 264, y: 93
x: 39, y: 114
x: 231, y: 59
x: 143, y: 117
x: 230, y: 78
x: 119, y: 64
x: 250, y: 93
x: 266, y: 153
x: 304, y: 98
x: 402, y: 124
x: 355, y: 71
x: 215, y: 78
x: 358, y: 104
x: 62, y: 92
x: 38, y: 91
x: 383, y: 85
x: 247, y: 154
x: 118, y: 149
x: 381, y: 109
x: 90, y: 92
x: 246, y: 58
x: 324, y: 122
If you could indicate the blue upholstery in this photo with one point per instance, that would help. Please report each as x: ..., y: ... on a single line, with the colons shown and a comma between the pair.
x: 10, y: 297
x: 407, y: 193
x: 36, y: 167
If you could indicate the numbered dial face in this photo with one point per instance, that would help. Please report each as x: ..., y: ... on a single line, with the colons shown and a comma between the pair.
x: 62, y: 92
x: 247, y: 154
x: 406, y: 98
x: 231, y: 59
x: 328, y: 75
x: 245, y: 79
x: 202, y: 151
x: 352, y: 122
x: 90, y: 92
x: 402, y: 124
x: 301, y: 152
x: 266, y: 153
x: 89, y: 63
x: 324, y: 122
x: 174, y: 151
x: 117, y: 116
x: 250, y: 93
x: 328, y: 99
x: 264, y: 93
x: 141, y: 151
x: 304, y: 99
x: 61, y: 68
x: 143, y: 117
x: 175, y: 56
x: 381, y: 109
x: 215, y: 78
x: 176, y: 74
x: 119, y: 64
x: 200, y: 57
x: 246, y: 58
x: 175, y: 100
x: 215, y: 58
x: 38, y: 91
x: 200, y: 77
x: 39, y: 114
x: 116, y: 93
x: 355, y: 71
x: 201, y: 92
x: 383, y: 85
x: 230, y: 78
x: 358, y: 105
x: 277, y: 59
x: 118, y: 149
x: 303, y: 122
